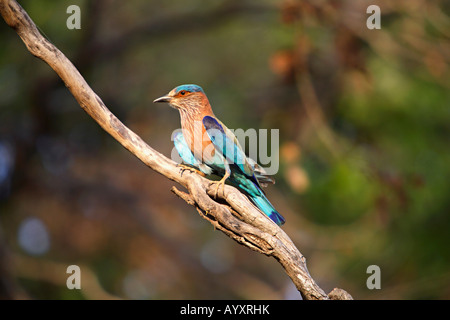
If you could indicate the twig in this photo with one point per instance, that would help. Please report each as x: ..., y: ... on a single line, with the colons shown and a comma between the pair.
x: 247, y: 226
x: 315, y: 114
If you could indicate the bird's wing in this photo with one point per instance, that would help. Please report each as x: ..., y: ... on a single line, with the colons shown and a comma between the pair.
x: 227, y: 144
x: 186, y: 154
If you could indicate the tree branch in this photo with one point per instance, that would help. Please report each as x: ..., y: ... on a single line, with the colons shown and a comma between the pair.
x: 234, y: 214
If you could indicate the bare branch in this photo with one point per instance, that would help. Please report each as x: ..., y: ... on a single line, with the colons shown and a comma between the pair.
x: 232, y: 213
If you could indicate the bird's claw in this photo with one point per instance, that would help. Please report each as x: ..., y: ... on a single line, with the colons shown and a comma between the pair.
x: 217, y: 190
x: 184, y: 167
x: 218, y: 184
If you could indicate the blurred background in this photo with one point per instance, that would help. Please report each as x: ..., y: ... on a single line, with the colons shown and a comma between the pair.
x: 364, y: 120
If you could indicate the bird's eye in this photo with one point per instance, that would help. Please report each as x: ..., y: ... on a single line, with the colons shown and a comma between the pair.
x: 182, y: 92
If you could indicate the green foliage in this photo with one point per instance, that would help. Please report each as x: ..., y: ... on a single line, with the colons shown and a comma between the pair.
x: 339, y: 194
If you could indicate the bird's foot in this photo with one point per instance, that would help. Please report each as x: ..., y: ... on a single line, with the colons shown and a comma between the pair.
x: 184, y: 167
x: 218, y: 185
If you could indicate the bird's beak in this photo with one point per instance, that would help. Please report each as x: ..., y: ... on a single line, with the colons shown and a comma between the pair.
x: 166, y: 98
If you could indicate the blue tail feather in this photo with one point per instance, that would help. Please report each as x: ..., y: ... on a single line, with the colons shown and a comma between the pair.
x: 250, y: 187
x: 266, y: 207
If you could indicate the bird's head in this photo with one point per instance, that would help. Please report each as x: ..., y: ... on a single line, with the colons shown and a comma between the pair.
x: 186, y: 97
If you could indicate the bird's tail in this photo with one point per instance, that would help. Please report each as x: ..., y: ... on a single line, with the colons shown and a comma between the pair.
x: 250, y: 186
x: 267, y: 208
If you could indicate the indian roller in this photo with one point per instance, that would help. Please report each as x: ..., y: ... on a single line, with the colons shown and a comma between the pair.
x: 207, y: 145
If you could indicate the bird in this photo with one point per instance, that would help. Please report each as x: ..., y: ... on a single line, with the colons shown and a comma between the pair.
x: 208, y: 147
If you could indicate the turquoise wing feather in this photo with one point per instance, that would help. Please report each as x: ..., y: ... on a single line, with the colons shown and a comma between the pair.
x: 227, y: 144
x: 186, y: 154
x: 242, y: 169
